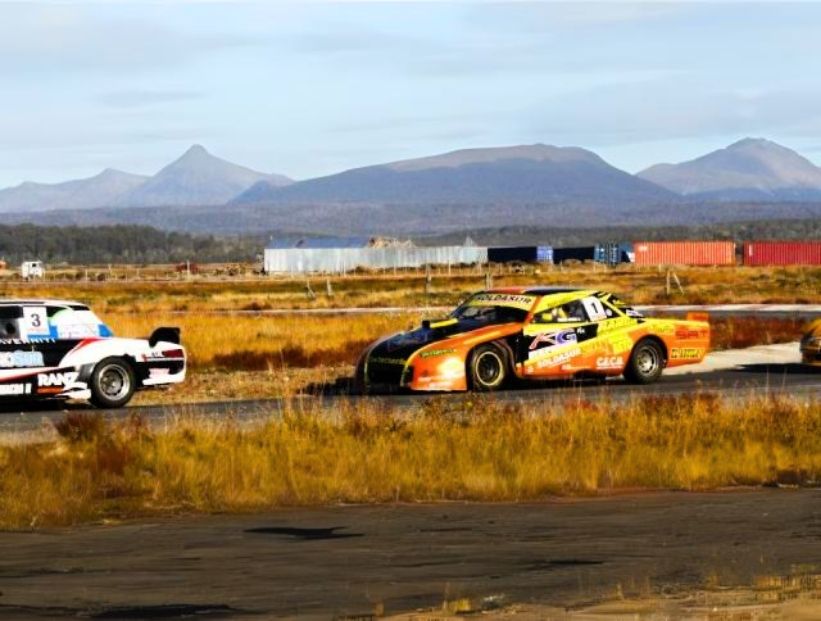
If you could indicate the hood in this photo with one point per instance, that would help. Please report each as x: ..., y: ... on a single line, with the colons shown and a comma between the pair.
x: 401, y: 346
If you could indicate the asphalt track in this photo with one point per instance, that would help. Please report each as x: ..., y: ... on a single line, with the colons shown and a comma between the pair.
x: 742, y: 383
x: 360, y: 562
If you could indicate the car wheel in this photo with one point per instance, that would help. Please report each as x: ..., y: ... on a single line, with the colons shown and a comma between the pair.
x: 488, y: 368
x: 112, y: 383
x: 646, y: 363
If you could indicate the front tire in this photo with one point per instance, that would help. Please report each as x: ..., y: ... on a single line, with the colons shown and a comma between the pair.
x: 488, y: 368
x: 112, y: 383
x: 646, y: 363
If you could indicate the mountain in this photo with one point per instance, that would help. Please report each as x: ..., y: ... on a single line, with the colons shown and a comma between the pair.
x: 530, y: 174
x: 101, y: 190
x: 196, y: 178
x: 750, y: 169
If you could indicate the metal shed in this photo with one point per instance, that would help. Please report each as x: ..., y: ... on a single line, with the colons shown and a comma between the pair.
x: 344, y: 255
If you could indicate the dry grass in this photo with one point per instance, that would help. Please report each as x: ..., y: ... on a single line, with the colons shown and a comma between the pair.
x: 261, y: 342
x: 741, y: 332
x: 473, y: 449
x: 640, y: 285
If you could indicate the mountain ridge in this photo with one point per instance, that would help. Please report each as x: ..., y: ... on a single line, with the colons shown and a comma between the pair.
x: 750, y: 168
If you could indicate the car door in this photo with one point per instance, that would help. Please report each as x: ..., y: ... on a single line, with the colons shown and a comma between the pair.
x: 554, y: 337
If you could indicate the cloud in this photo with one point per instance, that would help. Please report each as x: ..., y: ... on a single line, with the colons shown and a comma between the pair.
x: 47, y: 38
x: 143, y: 98
x: 673, y: 108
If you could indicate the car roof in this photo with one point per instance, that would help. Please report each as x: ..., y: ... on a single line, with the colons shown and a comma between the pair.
x: 40, y: 302
x: 540, y: 290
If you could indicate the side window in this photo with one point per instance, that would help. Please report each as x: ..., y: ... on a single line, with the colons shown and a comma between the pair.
x: 572, y: 312
x: 10, y: 322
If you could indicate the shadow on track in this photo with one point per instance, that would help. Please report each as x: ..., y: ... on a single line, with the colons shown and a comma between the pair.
x: 793, y: 368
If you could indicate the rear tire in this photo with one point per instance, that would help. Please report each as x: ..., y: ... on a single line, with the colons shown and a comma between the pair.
x: 488, y: 368
x: 112, y: 383
x: 646, y: 363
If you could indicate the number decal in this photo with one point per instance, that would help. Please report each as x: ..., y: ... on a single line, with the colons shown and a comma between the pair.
x: 594, y: 308
x: 35, y: 321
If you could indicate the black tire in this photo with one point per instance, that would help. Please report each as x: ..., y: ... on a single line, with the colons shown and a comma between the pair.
x: 488, y: 368
x: 112, y: 383
x: 646, y: 362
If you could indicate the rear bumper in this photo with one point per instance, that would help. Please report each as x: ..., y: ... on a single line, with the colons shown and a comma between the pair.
x: 811, y: 356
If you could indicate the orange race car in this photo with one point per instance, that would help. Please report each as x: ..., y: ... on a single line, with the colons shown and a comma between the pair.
x: 532, y: 333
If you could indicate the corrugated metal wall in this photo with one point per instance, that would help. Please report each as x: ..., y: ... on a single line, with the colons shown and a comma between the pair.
x: 685, y: 253
x: 340, y: 260
x: 783, y: 253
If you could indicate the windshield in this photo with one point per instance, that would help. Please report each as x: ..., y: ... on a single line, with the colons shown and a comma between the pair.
x: 491, y: 308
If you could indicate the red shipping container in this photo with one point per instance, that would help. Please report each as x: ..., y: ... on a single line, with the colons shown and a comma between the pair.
x: 782, y: 253
x: 685, y: 253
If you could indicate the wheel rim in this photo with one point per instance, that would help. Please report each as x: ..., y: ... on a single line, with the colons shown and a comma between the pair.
x: 489, y: 368
x: 114, y: 382
x: 648, y: 361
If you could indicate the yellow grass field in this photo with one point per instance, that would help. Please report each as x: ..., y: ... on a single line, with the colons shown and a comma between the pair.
x: 637, y: 284
x: 473, y: 449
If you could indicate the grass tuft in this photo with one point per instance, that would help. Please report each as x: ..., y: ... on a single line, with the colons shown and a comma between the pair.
x: 470, y: 449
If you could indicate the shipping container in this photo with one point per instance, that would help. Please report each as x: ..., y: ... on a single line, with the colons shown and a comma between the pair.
x: 782, y: 253
x: 523, y: 254
x: 614, y: 253
x: 577, y: 253
x: 685, y: 253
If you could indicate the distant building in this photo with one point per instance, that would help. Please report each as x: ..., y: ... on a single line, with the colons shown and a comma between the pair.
x: 340, y: 255
x: 31, y: 270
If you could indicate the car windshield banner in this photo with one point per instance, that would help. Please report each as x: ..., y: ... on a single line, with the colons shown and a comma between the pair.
x: 511, y: 300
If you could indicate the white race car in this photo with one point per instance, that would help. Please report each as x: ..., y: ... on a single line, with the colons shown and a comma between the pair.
x: 53, y: 349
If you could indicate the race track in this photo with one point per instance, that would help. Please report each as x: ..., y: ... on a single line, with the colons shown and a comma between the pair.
x: 743, y: 382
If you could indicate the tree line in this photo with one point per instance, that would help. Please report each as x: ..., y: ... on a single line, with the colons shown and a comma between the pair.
x: 120, y: 244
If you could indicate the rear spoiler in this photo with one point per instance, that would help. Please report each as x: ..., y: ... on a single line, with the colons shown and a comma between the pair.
x: 698, y: 316
x: 166, y: 333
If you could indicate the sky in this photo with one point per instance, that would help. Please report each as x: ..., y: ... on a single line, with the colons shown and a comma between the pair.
x: 312, y: 88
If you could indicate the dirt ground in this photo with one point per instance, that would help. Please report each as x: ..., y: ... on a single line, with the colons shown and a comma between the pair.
x: 441, y: 560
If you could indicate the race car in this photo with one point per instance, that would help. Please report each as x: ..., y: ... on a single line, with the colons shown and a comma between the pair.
x: 811, y: 344
x: 52, y: 349
x: 532, y: 333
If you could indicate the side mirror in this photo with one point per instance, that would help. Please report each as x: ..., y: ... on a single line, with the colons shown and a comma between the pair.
x: 426, y: 324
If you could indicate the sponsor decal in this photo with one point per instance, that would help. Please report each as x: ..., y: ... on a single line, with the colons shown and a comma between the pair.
x: 77, y: 331
x: 21, y: 359
x: 615, y: 324
x: 61, y: 378
x: 549, y: 340
x: 396, y: 361
x: 26, y: 341
x: 682, y: 332
x: 559, y: 358
x: 11, y: 390
x: 686, y: 353
x: 523, y: 302
x: 436, y: 352
x: 609, y: 362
